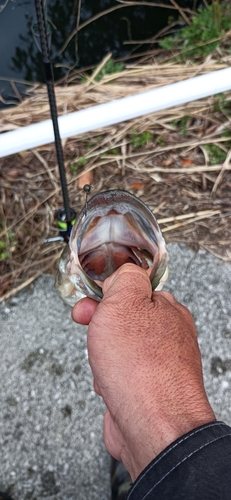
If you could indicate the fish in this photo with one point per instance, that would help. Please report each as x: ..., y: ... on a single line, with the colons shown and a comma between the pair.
x: 113, y: 228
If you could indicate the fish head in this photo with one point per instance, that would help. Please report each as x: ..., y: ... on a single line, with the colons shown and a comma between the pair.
x: 114, y: 228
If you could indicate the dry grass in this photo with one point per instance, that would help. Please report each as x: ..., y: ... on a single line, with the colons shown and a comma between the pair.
x: 177, y: 161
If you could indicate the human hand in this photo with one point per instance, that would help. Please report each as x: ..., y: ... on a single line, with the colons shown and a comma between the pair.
x: 146, y: 364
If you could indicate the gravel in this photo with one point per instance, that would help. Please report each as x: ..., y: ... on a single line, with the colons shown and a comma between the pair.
x: 51, y: 419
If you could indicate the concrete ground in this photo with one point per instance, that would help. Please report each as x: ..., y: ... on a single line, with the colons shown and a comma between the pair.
x: 51, y: 420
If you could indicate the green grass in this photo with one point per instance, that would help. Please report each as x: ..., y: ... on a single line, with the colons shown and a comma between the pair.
x: 3, y: 250
x: 74, y: 167
x: 112, y: 151
x: 109, y: 68
x: 7, y: 245
x: 160, y: 141
x: 216, y: 154
x: 203, y: 35
x: 139, y: 140
x: 181, y: 125
x: 222, y: 104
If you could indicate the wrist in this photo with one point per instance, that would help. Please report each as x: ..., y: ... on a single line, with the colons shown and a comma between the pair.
x: 149, y: 435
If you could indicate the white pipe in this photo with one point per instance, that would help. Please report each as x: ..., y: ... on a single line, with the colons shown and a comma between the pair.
x: 116, y: 111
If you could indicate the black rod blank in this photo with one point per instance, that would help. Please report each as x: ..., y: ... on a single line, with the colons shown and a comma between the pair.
x: 53, y: 108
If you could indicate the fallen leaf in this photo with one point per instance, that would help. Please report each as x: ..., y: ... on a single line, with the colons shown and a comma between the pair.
x: 14, y: 172
x: 167, y: 162
x: 85, y: 178
x: 156, y: 177
x: 137, y: 185
x: 4, y: 285
x: 186, y: 161
x: 45, y: 147
x: 24, y: 154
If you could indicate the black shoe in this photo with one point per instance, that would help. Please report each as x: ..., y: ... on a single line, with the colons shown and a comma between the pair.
x: 5, y: 496
x: 120, y: 481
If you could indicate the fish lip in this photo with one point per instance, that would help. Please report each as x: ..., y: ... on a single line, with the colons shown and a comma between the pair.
x: 115, y: 196
x: 112, y: 197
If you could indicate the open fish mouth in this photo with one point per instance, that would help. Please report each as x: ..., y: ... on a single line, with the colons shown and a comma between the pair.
x: 114, y: 228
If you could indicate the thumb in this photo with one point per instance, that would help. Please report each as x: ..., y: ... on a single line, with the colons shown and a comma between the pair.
x: 128, y: 279
x: 83, y: 311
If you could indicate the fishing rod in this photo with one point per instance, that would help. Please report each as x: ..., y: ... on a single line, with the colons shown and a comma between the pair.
x: 65, y: 216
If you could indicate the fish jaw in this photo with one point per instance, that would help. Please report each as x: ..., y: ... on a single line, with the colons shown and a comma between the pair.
x: 72, y: 283
x: 115, y: 229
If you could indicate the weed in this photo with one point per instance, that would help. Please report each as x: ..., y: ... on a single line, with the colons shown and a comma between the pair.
x: 113, y: 151
x: 221, y: 104
x: 216, y: 154
x: 219, y: 101
x: 138, y: 140
x: 74, y: 168
x: 108, y: 69
x: 203, y: 35
x: 81, y: 162
x: 3, y: 252
x: 160, y: 141
x: 91, y: 144
x: 7, y: 246
x: 225, y: 134
x: 181, y: 125
x: 94, y: 142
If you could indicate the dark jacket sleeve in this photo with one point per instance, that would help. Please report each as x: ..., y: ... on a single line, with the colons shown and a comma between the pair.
x: 196, y: 466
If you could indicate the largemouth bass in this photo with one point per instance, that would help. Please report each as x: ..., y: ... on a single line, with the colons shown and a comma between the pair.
x: 112, y: 229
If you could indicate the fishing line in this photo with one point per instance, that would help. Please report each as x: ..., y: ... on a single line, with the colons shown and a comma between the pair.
x: 68, y: 214
x: 86, y: 189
